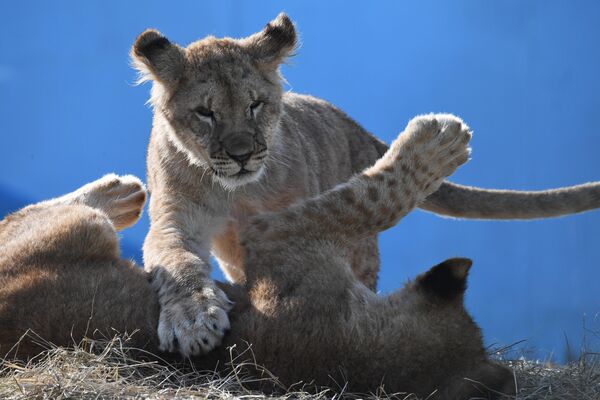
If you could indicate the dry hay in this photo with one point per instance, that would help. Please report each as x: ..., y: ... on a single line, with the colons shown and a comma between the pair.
x: 108, y: 369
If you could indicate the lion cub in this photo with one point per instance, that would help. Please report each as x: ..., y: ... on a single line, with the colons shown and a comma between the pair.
x: 304, y: 313
x: 227, y: 143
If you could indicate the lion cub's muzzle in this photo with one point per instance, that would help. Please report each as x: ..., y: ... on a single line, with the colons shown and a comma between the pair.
x: 239, y: 146
x: 239, y: 155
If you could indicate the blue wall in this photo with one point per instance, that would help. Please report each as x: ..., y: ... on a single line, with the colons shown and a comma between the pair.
x: 523, y: 74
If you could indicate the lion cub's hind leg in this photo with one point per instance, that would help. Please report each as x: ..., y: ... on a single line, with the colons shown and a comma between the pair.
x: 81, y: 223
x: 121, y: 198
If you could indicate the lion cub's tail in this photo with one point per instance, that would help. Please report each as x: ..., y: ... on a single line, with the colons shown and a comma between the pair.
x: 471, y: 202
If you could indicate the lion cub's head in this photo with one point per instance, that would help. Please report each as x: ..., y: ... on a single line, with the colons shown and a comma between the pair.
x: 221, y: 98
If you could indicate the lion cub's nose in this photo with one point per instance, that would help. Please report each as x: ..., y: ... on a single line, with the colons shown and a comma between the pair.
x: 239, y: 146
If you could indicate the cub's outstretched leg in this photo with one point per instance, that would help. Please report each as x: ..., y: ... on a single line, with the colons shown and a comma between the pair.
x: 121, y: 198
x: 117, y: 203
x: 430, y: 149
x: 60, y: 271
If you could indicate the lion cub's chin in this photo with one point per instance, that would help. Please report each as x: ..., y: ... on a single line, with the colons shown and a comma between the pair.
x: 240, y: 179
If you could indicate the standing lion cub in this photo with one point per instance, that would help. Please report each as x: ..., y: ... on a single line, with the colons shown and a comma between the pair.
x: 227, y: 144
x: 301, y: 308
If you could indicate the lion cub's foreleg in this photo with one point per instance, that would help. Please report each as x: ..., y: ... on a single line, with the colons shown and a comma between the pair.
x: 431, y: 148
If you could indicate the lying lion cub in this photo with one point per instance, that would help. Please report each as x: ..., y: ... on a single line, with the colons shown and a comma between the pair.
x: 304, y: 313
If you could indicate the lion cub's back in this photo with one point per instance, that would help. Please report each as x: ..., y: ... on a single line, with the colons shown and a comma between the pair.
x: 331, y: 143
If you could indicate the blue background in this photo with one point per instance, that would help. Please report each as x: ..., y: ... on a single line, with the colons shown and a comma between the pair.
x: 523, y: 74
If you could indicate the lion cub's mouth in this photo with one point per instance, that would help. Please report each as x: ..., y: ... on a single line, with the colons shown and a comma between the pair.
x: 231, y: 180
x: 228, y: 173
x: 244, y: 171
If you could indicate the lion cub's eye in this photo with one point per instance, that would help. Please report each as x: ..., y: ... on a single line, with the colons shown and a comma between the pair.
x: 255, y: 108
x: 205, y: 114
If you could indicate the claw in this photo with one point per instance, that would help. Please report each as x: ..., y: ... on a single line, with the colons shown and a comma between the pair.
x: 190, y: 322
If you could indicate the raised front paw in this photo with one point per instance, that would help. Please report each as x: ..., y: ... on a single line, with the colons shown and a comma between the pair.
x: 192, y: 322
x: 122, y: 198
x: 435, y: 146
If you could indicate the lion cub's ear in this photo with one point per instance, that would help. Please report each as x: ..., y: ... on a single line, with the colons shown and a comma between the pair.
x: 156, y: 58
x: 271, y: 46
x: 447, y: 280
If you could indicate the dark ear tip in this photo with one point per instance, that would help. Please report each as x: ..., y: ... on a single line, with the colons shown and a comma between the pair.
x: 283, y: 19
x: 148, y: 42
x: 282, y: 25
x: 463, y: 260
x: 460, y: 266
x: 447, y: 279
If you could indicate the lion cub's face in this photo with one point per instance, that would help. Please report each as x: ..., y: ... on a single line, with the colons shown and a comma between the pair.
x: 221, y: 97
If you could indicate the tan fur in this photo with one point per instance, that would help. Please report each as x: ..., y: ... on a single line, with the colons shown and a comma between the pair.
x: 60, y: 270
x: 218, y: 108
x: 301, y: 308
